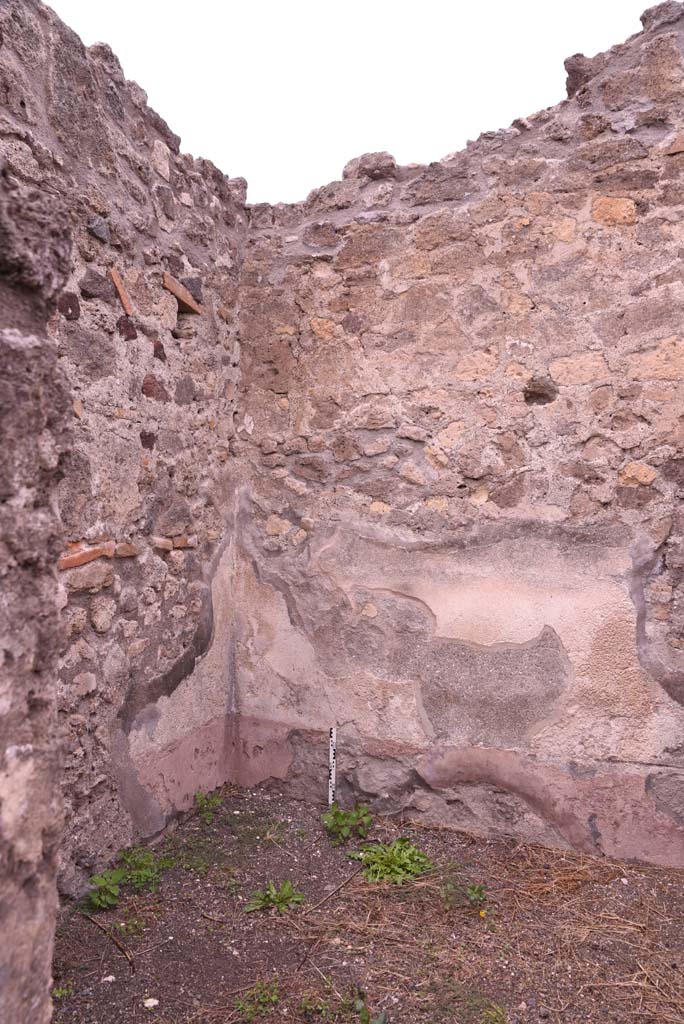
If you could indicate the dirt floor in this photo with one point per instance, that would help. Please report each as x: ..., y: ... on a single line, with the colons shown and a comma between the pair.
x: 496, y: 932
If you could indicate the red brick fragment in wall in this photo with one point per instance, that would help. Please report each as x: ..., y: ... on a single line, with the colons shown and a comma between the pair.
x: 163, y: 543
x: 89, y: 554
x: 181, y: 541
x: 126, y: 550
x: 186, y: 303
x: 123, y: 294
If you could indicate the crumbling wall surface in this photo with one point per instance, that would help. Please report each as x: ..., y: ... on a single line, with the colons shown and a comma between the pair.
x: 145, y: 329
x: 34, y: 260
x: 436, y: 501
x: 462, y: 537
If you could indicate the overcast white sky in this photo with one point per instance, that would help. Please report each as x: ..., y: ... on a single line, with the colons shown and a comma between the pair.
x: 285, y: 92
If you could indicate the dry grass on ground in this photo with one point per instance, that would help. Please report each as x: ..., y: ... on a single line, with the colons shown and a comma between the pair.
x: 554, y: 937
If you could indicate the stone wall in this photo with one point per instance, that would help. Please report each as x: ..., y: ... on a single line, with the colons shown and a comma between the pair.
x: 435, y: 502
x: 34, y: 260
x: 146, y: 334
x: 463, y: 422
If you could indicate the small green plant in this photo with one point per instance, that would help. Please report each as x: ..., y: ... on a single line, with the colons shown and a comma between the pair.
x: 133, y: 926
x: 143, y: 869
x: 451, y: 888
x: 198, y: 851
x: 456, y: 891
x: 138, y: 867
x: 197, y: 864
x: 63, y: 991
x: 206, y: 805
x: 311, y: 1008
x: 229, y: 885
x: 476, y: 895
x: 346, y: 825
x: 106, y: 888
x: 258, y: 1001
x: 270, y: 898
x: 359, y: 1006
x: 392, y: 862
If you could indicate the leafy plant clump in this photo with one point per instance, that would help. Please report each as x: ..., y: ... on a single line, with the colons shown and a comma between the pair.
x: 272, y: 898
x: 359, y: 1006
x: 392, y: 862
x: 138, y: 867
x: 206, y: 805
x: 457, y: 891
x: 476, y: 895
x: 345, y: 825
x: 258, y: 1001
x: 63, y: 991
x: 143, y: 869
x: 133, y: 926
x: 106, y: 888
x: 311, y: 1008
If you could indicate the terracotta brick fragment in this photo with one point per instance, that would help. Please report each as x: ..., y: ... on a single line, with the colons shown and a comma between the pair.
x: 122, y: 293
x: 126, y: 550
x: 186, y: 303
x: 183, y: 541
x: 163, y: 543
x: 89, y: 554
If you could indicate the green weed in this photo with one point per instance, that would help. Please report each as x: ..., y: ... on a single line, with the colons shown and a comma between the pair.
x: 476, y: 895
x: 312, y: 1008
x: 281, y: 899
x: 207, y: 804
x: 138, y: 867
x: 197, y: 852
x: 258, y: 1001
x: 358, y: 1005
x: 345, y: 825
x: 133, y: 926
x: 63, y: 991
x: 106, y: 888
x: 143, y: 868
x: 456, y: 891
x: 392, y: 862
